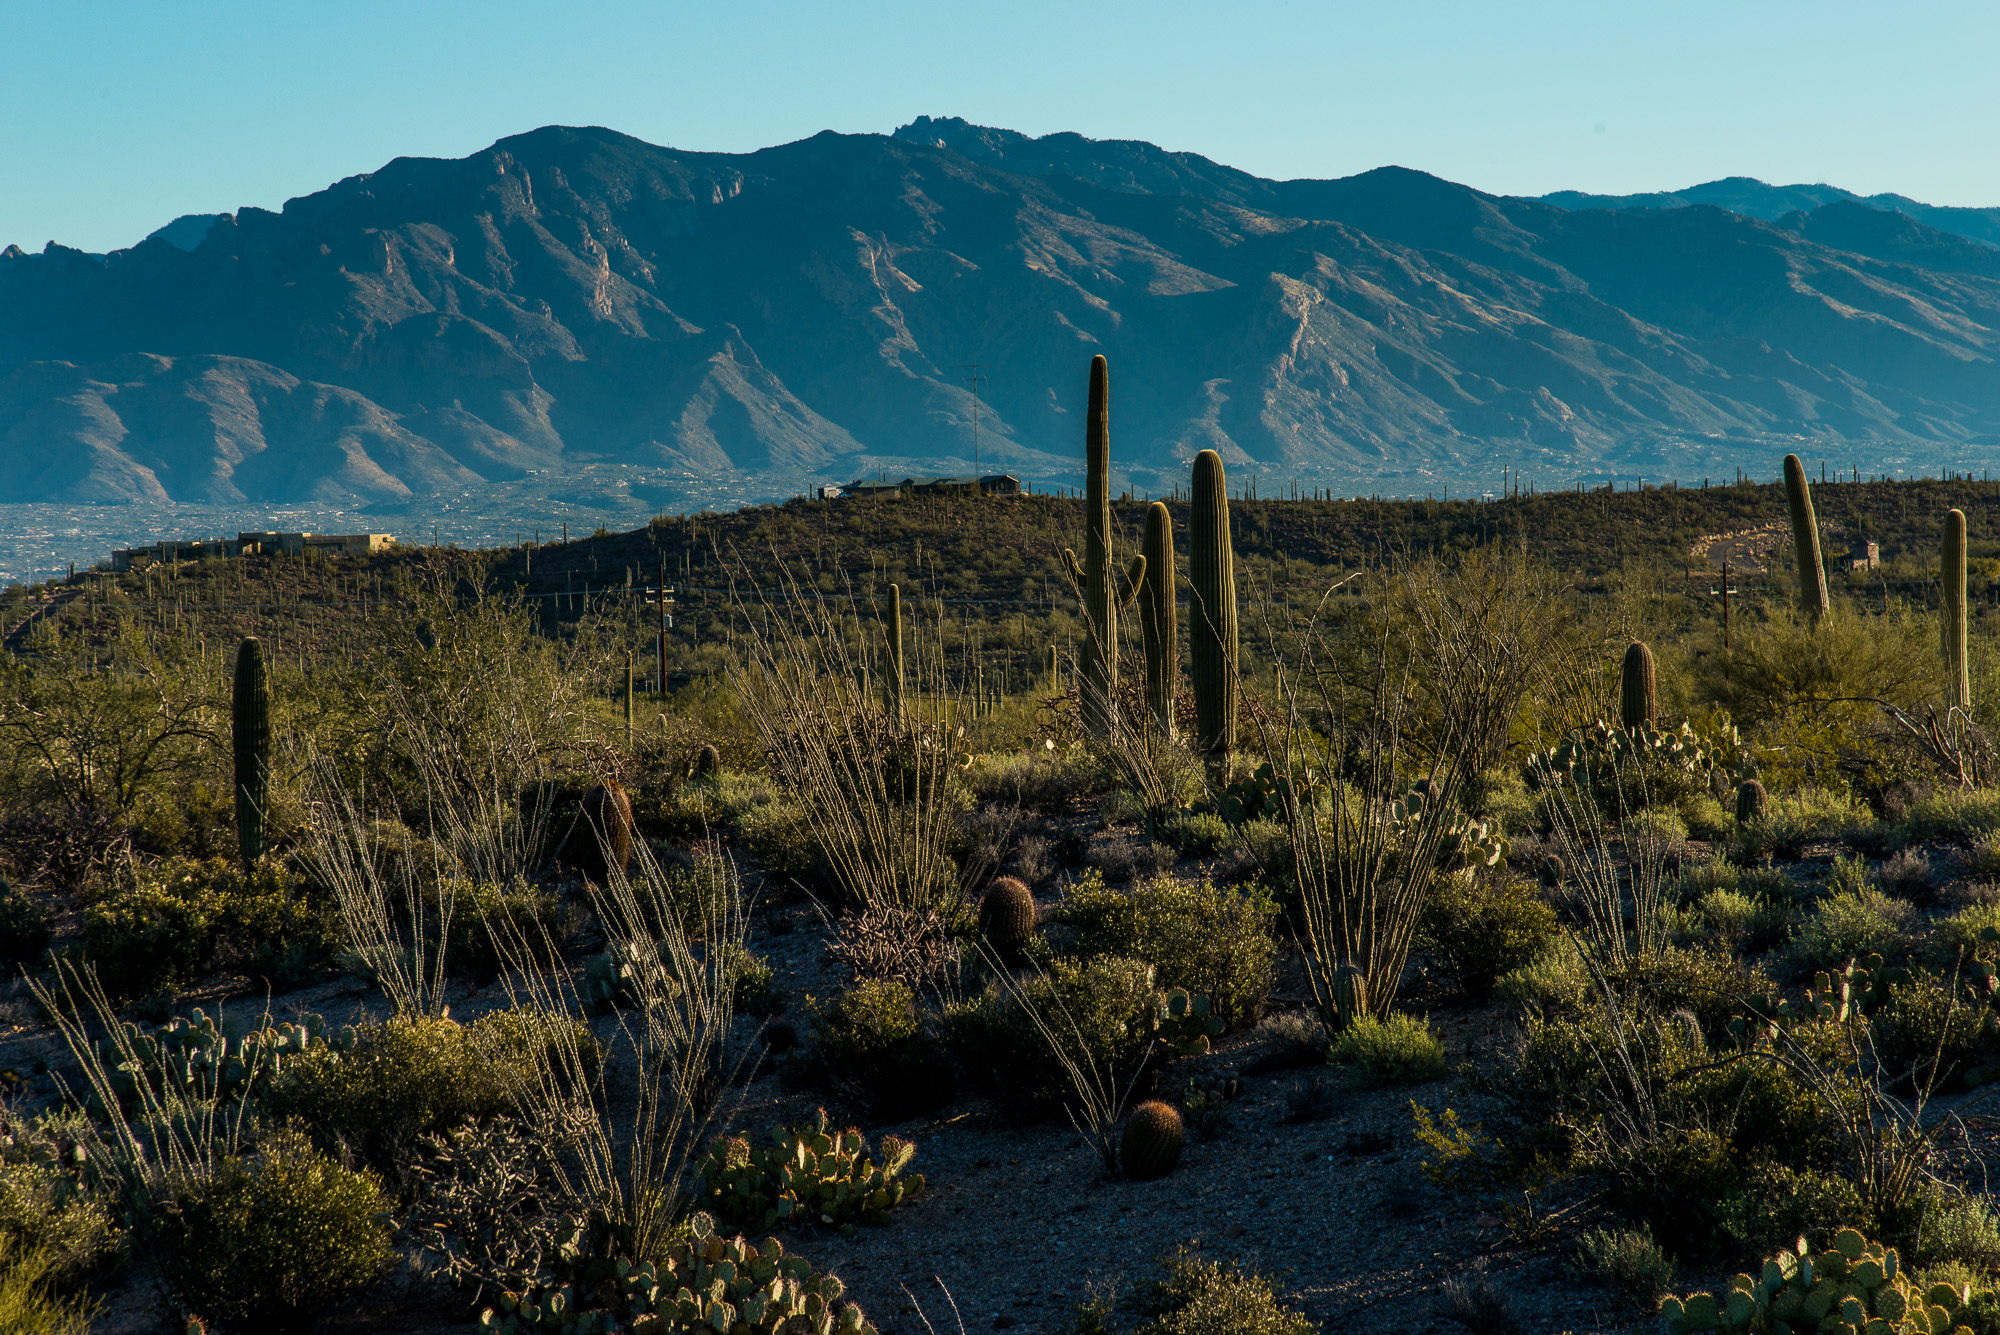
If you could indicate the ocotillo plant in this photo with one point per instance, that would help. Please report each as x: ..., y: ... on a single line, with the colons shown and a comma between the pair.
x: 1097, y: 673
x: 1638, y: 686
x: 1212, y: 632
x: 250, y: 727
x: 892, y: 632
x: 1158, y: 618
x: 1805, y: 540
x: 1954, y: 609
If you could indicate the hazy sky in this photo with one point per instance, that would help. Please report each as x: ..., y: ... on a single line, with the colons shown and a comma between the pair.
x: 115, y: 118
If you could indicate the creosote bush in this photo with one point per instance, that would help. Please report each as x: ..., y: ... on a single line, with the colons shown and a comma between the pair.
x: 870, y: 1047
x: 1213, y: 941
x: 1202, y: 1297
x: 1480, y: 928
x: 270, y: 1241
x: 1400, y: 1050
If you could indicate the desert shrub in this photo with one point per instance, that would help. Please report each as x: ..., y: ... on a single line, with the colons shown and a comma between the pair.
x: 1654, y: 834
x: 1962, y: 1228
x: 1196, y: 833
x: 1201, y: 1297
x: 1696, y: 879
x: 1764, y: 881
x: 1964, y: 814
x: 1502, y: 795
x: 48, y: 1207
x: 870, y: 1047
x: 1627, y: 1260
x: 28, y: 1303
x: 1479, y: 928
x: 184, y: 918
x: 1795, y: 819
x: 148, y: 939
x: 1928, y: 1032
x: 1553, y: 979
x: 492, y: 924
x: 779, y: 834
x: 1850, y: 923
x: 1906, y: 874
x: 914, y: 946
x: 271, y: 1241
x: 1098, y: 1005
x: 1703, y: 980
x: 1400, y: 1050
x: 1749, y: 924
x: 1960, y: 935
x: 1705, y: 818
x: 401, y: 1080
x: 1037, y: 778
x: 25, y: 925
x: 1479, y: 1305
x: 1775, y: 669
x: 1772, y: 1206
x: 756, y: 985
x: 1210, y: 940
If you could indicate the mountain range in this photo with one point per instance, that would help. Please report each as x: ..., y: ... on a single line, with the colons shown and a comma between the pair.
x: 813, y: 312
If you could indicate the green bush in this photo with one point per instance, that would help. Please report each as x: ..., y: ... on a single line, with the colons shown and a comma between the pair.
x: 1705, y: 818
x: 1502, y: 795
x: 1928, y: 1032
x: 492, y: 924
x: 871, y: 1047
x: 1962, y: 1228
x: 1201, y: 1297
x: 1479, y: 928
x: 1210, y: 940
x: 403, y: 1079
x: 148, y: 940
x: 1742, y: 922
x: 271, y: 1241
x: 1772, y: 1206
x: 1400, y: 1050
x: 1958, y: 936
x: 1553, y: 979
x: 1793, y: 820
x: 49, y: 1209
x: 1850, y: 924
x: 25, y: 926
x: 1627, y: 1260
x: 1963, y: 814
x: 28, y: 1304
x: 1097, y: 1005
x: 1196, y: 833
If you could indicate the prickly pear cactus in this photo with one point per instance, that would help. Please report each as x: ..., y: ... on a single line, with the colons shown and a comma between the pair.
x: 1853, y: 992
x: 706, y: 1284
x: 809, y: 1174
x: 1853, y: 1288
x: 624, y: 975
x: 1183, y: 1025
x: 197, y: 1057
x: 1151, y: 1145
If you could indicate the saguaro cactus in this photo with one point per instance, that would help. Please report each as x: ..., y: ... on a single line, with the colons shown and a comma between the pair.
x: 1954, y: 609
x: 1638, y: 686
x: 1212, y: 630
x: 250, y: 731
x: 1158, y: 617
x: 892, y: 634
x: 1097, y: 672
x: 1805, y: 541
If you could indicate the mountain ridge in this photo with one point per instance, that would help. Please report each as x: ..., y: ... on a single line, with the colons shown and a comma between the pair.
x: 806, y: 312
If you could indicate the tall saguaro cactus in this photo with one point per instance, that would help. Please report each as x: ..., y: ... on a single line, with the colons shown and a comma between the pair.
x: 1212, y: 632
x: 1805, y: 541
x: 1097, y: 673
x: 1954, y: 609
x: 1158, y: 617
x: 250, y: 733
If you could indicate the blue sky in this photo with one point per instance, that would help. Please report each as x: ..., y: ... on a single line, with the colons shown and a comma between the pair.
x: 117, y: 117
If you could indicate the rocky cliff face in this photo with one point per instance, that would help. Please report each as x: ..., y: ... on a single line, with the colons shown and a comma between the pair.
x: 576, y: 295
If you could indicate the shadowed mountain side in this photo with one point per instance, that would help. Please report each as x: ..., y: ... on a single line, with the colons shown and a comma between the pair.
x: 575, y: 295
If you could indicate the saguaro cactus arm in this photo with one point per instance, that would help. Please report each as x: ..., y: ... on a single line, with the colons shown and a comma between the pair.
x: 1135, y: 579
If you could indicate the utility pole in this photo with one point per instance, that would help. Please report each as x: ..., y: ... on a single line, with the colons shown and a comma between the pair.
x: 975, y: 380
x: 664, y: 603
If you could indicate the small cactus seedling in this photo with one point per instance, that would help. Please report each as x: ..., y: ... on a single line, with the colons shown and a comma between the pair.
x: 1151, y: 1145
x: 1751, y: 801
x: 1007, y: 912
x: 1638, y: 686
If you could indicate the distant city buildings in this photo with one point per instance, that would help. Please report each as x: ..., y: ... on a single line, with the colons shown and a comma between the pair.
x: 875, y: 489
x: 255, y: 544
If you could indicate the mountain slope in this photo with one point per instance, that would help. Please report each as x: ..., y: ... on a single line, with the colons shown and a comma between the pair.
x: 1754, y: 199
x: 809, y: 310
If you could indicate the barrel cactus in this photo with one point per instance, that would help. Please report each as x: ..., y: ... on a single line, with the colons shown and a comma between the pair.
x: 1007, y: 912
x: 601, y: 841
x: 1151, y: 1145
x: 707, y: 763
x: 250, y: 732
x: 1751, y: 801
x: 1805, y: 541
x: 1212, y: 637
x: 1638, y: 686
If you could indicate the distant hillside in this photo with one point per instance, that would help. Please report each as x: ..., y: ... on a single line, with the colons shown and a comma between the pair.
x: 1754, y: 199
x: 808, y: 312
